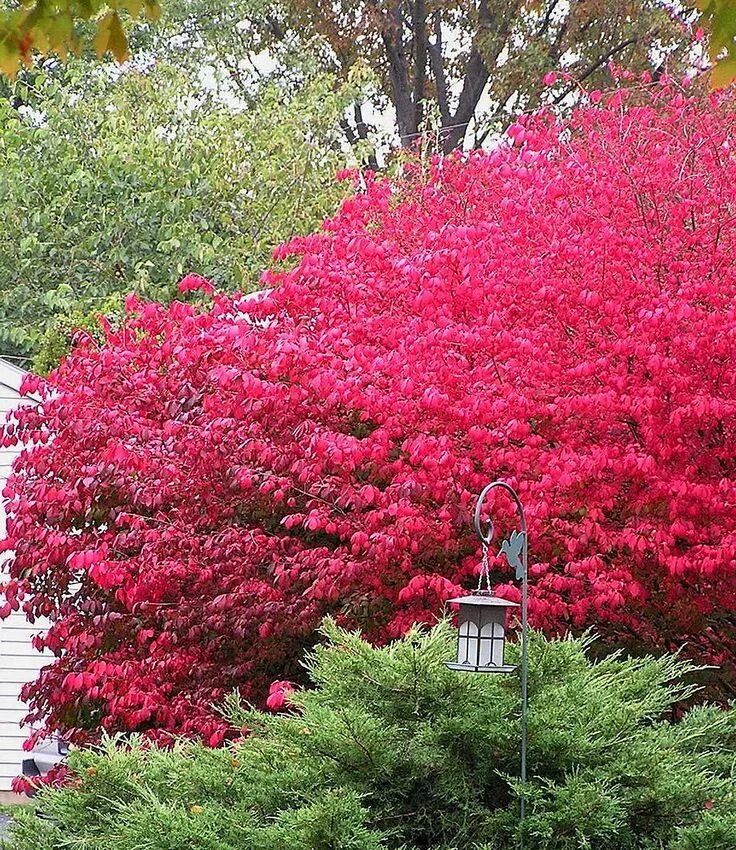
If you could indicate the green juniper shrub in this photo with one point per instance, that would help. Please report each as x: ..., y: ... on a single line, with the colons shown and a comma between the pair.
x: 711, y: 832
x: 390, y: 749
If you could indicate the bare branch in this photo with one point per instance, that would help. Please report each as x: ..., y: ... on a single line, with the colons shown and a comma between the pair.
x: 359, y: 134
x: 547, y: 18
x: 360, y: 124
x: 350, y: 134
x: 363, y: 132
x: 595, y: 66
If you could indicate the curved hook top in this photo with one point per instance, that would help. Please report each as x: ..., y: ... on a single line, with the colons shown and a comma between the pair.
x: 488, y: 535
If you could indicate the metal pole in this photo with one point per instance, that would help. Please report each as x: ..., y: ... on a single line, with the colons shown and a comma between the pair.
x: 486, y: 537
x: 524, y: 596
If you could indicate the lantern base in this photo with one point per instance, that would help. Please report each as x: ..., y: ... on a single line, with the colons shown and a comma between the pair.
x: 471, y: 668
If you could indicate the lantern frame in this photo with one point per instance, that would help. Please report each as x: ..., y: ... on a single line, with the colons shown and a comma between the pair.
x: 481, y: 634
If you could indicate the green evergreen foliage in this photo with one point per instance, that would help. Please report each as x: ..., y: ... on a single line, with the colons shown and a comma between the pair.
x: 390, y: 749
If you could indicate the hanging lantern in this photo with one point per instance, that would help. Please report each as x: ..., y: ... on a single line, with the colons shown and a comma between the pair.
x: 482, y: 617
x: 481, y: 634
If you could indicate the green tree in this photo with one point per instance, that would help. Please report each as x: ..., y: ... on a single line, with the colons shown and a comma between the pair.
x: 112, y: 185
x: 458, y: 64
x: 391, y: 749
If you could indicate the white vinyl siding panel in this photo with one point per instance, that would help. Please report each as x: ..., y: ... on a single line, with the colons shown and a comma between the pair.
x: 19, y: 661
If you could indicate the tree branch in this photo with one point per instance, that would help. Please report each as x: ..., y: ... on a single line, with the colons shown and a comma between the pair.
x: 360, y: 124
x: 420, y: 58
x: 498, y: 114
x: 349, y: 132
x: 363, y: 132
x: 391, y: 35
x: 594, y: 67
x: 274, y: 27
x: 358, y: 135
x: 476, y: 76
x: 437, y: 63
x: 547, y: 18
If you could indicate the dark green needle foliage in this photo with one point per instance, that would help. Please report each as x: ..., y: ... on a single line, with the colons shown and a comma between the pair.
x: 390, y: 749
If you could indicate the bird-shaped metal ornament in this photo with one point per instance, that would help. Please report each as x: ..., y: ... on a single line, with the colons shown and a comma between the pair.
x: 512, y: 549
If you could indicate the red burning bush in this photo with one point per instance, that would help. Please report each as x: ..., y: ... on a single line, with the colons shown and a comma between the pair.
x: 560, y: 312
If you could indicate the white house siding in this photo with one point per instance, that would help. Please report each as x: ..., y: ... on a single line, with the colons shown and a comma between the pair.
x: 19, y: 661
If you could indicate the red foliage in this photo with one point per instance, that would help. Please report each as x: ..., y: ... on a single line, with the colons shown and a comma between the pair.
x: 56, y: 777
x: 559, y: 312
x: 278, y: 695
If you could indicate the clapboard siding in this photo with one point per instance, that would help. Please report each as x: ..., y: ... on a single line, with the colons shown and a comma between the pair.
x: 19, y: 661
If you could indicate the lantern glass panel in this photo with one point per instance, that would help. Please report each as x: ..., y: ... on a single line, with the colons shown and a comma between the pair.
x: 491, y: 645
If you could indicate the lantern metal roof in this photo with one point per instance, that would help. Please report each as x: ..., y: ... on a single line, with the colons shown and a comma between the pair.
x: 480, y: 599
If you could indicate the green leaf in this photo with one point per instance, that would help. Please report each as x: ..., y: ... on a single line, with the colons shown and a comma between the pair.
x: 110, y: 37
x: 723, y: 73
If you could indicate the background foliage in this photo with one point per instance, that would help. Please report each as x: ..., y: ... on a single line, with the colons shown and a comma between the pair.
x: 118, y: 185
x: 220, y: 138
x: 462, y: 67
x: 459, y: 62
x: 558, y: 312
x: 390, y: 749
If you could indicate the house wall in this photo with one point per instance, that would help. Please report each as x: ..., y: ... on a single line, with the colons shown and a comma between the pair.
x: 19, y: 661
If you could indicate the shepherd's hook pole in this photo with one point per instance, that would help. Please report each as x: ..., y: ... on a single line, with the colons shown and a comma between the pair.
x: 486, y: 538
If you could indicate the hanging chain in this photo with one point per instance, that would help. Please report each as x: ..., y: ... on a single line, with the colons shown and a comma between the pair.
x: 485, y: 571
